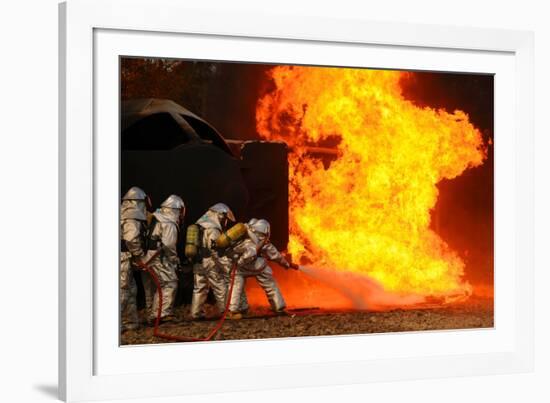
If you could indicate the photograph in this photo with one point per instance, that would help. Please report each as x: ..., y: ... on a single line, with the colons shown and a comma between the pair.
x: 262, y: 201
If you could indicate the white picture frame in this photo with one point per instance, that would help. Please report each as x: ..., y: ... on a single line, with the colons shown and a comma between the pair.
x: 93, y: 33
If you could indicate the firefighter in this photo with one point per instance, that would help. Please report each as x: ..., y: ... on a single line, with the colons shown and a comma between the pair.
x: 133, y: 224
x: 162, y: 258
x: 251, y: 256
x: 210, y: 271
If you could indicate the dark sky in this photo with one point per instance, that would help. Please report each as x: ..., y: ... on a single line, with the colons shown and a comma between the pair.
x: 225, y: 94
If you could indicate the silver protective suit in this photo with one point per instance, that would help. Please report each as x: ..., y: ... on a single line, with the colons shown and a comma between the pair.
x: 251, y: 257
x: 211, y: 271
x: 226, y: 264
x: 135, y: 193
x: 165, y: 232
x: 133, y: 220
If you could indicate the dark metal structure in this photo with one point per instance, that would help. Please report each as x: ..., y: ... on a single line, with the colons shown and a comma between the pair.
x: 167, y: 149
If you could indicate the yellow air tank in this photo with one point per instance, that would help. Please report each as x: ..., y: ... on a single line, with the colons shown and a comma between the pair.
x: 232, y: 235
x: 192, y: 241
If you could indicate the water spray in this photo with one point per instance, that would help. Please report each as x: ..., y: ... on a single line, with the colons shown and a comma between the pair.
x: 363, y: 291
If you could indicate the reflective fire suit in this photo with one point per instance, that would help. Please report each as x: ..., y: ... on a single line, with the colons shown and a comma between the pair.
x: 251, y: 256
x: 211, y: 270
x: 163, y: 238
x: 133, y: 220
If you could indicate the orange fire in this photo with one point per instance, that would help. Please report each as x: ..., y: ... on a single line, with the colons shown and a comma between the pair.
x: 368, y: 209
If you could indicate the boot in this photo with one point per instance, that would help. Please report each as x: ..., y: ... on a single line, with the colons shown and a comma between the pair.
x: 234, y: 315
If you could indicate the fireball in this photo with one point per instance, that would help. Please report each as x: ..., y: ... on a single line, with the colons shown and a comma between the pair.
x: 368, y: 209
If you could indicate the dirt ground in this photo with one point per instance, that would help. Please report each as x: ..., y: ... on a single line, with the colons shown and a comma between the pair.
x: 260, y: 324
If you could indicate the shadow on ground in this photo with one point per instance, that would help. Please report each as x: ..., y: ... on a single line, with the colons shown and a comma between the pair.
x: 48, y: 390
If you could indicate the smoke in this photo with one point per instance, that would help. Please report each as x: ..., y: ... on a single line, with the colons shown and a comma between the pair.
x: 361, y: 290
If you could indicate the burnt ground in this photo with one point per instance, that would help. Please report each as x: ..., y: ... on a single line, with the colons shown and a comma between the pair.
x: 262, y: 324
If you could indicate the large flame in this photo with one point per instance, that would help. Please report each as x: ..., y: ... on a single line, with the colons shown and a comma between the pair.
x: 368, y: 209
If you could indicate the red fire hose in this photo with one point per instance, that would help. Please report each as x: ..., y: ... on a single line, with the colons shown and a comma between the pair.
x: 158, y: 333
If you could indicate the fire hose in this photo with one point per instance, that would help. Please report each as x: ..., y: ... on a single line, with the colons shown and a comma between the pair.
x: 157, y: 333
